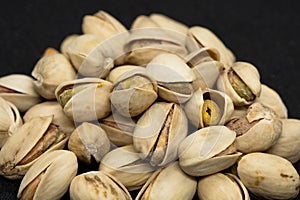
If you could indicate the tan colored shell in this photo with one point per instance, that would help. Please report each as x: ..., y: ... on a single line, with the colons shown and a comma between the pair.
x: 257, y: 130
x: 125, y: 164
x: 49, y: 72
x: 248, y: 74
x: 159, y: 131
x: 193, y: 108
x: 202, y: 37
x: 55, y: 170
x: 84, y: 104
x: 146, y: 43
x: 164, y: 184
x: 96, y: 185
x: 102, y: 24
x: 119, y: 129
x: 137, y: 96
x: 65, y: 44
x: 116, y: 72
x: 10, y: 120
x: 269, y: 176
x: 270, y: 98
x: 204, y: 54
x: 168, y: 69
x: 51, y: 108
x: 143, y: 21
x: 222, y: 187
x: 22, y: 93
x: 21, y: 143
x: 288, y: 144
x: 87, y: 141
x: 207, y: 151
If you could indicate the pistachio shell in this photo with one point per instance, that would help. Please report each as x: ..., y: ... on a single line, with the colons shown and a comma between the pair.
x: 270, y: 98
x: 164, y: 184
x: 258, y: 130
x: 134, y: 92
x: 87, y: 141
x: 21, y: 91
x: 24, y: 142
x: 125, y: 164
x: 287, y: 146
x: 49, y: 72
x: 54, y: 172
x: 222, y: 187
x: 51, y: 108
x: 269, y: 176
x: 203, y: 37
x: 95, y: 185
x: 82, y: 103
x: 119, y: 129
x: 116, y: 72
x: 202, y: 55
x: 10, y: 120
x: 200, y: 153
x: 65, y: 44
x: 194, y: 107
x: 159, y: 131
x: 143, y: 21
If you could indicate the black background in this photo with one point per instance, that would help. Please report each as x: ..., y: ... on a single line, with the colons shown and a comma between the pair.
x: 265, y: 33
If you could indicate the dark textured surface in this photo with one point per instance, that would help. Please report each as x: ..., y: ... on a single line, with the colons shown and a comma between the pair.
x: 265, y: 33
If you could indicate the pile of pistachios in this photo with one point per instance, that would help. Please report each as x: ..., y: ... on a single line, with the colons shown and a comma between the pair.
x: 162, y: 110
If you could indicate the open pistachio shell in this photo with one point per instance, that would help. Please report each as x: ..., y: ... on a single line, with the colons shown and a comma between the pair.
x: 173, y: 76
x: 203, y: 37
x: 49, y: 72
x: 207, y: 151
x: 85, y: 99
x: 10, y: 120
x: 269, y: 176
x: 222, y: 187
x: 159, y: 131
x: 134, y: 92
x: 218, y: 111
x: 87, y: 141
x: 116, y: 72
x: 270, y: 98
x: 95, y: 185
x: 19, y: 90
x: 288, y: 144
x: 51, y: 108
x: 257, y: 130
x: 164, y: 184
x: 241, y: 82
x: 29, y: 142
x: 125, y: 164
x: 50, y: 177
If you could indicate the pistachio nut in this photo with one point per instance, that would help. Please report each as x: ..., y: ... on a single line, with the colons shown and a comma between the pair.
x: 241, y: 82
x: 269, y: 176
x: 125, y: 164
x: 30, y: 141
x: 50, y: 51
x: 257, y: 130
x: 208, y: 107
x: 50, y: 177
x: 146, y: 43
x: 47, y: 108
x: 118, y: 71
x: 50, y: 71
x: 207, y: 151
x: 173, y: 76
x: 102, y: 24
x: 89, y: 141
x: 287, y: 146
x: 164, y: 184
x: 159, y: 131
x: 65, y: 44
x: 200, y: 37
x: 119, y: 129
x: 95, y: 185
x: 10, y: 120
x: 270, y: 98
x: 19, y: 90
x: 134, y: 92
x: 222, y: 187
x: 85, y: 99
